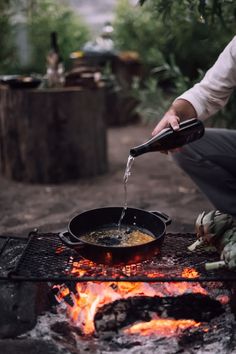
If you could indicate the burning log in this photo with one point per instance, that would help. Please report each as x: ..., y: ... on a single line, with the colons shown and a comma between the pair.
x: 113, y: 316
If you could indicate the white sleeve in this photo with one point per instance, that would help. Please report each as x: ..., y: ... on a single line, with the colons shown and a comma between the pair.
x: 214, y: 90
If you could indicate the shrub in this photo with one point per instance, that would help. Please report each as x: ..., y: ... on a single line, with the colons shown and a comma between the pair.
x: 8, y: 50
x: 135, y: 29
x: 175, y: 43
x: 40, y: 18
x: 48, y: 16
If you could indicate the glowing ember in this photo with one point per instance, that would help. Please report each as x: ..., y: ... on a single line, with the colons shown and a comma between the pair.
x: 190, y: 273
x: 161, y: 327
x: 62, y: 292
x: 60, y: 250
x: 223, y: 299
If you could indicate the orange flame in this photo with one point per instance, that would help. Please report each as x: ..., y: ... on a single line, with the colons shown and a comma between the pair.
x: 62, y: 292
x: 92, y: 295
x: 190, y: 273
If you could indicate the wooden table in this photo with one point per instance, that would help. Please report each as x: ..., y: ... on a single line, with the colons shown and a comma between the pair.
x: 52, y: 135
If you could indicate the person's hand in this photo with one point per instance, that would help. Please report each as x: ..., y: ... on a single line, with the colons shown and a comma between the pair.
x: 170, y: 119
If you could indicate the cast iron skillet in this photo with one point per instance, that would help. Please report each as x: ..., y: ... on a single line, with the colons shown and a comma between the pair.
x: 153, y: 223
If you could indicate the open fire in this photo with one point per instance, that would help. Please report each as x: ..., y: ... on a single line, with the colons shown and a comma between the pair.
x: 88, y: 297
x: 169, y: 301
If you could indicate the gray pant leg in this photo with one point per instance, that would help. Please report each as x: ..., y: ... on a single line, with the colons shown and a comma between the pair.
x: 211, y: 163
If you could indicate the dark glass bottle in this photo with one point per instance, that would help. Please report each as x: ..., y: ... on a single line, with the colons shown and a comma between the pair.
x: 168, y: 139
x: 54, y: 44
x: 55, y: 68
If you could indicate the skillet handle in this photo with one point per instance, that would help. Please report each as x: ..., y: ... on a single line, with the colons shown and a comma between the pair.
x: 167, y: 220
x: 67, y: 242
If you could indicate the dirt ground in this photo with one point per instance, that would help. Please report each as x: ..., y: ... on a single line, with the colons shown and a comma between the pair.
x: 156, y: 183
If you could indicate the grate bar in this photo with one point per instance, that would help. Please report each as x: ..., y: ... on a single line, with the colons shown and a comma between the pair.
x: 45, y: 258
x: 4, y: 242
x: 138, y: 279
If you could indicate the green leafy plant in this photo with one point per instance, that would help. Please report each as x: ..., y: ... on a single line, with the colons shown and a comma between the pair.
x: 46, y: 17
x: 210, y: 10
x: 8, y: 50
x: 135, y: 30
x: 39, y: 18
x: 153, y: 99
x: 177, y: 42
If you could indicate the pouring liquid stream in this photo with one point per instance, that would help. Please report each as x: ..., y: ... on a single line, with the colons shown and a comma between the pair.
x: 126, y: 177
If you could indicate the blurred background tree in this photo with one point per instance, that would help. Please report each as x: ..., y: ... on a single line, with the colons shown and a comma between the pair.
x: 26, y: 27
x: 177, y: 42
x: 7, y: 51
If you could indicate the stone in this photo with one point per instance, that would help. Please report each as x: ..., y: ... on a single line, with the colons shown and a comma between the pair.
x: 19, y: 306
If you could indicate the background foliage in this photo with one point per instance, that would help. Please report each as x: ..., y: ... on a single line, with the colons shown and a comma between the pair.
x: 48, y: 16
x: 177, y: 42
x: 39, y: 18
x: 6, y: 37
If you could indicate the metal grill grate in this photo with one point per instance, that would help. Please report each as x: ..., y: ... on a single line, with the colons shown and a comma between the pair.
x: 45, y: 258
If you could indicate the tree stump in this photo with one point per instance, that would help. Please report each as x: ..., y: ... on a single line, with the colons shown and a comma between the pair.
x: 52, y: 135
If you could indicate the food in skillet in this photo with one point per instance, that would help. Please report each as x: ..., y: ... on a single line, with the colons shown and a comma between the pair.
x: 117, y: 238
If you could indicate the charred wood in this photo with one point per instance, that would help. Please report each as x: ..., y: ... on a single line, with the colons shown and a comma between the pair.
x: 124, y: 312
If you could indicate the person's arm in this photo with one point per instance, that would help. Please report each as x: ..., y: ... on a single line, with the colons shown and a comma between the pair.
x: 180, y: 110
x: 208, y: 96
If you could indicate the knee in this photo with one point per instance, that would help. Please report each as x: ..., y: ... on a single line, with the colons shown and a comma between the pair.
x: 180, y: 157
x: 185, y: 157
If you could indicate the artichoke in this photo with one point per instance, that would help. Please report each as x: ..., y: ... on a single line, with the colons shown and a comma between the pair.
x: 228, y: 255
x: 210, y: 227
x: 228, y: 258
x: 227, y: 237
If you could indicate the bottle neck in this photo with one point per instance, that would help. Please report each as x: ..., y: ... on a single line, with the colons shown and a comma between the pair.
x: 139, y: 150
x: 54, y: 44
